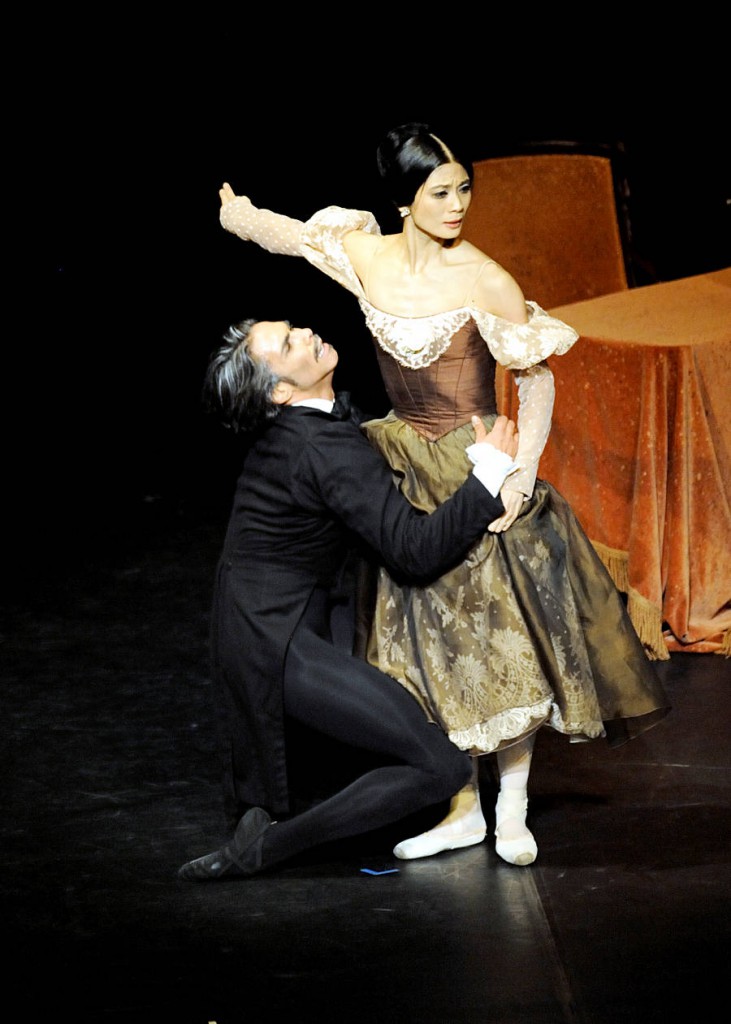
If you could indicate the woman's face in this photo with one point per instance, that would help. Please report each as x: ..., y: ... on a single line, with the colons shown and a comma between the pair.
x: 441, y: 203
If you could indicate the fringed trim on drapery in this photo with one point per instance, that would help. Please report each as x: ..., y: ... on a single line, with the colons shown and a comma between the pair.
x: 645, y: 617
x: 616, y: 563
x: 647, y: 620
x: 726, y: 644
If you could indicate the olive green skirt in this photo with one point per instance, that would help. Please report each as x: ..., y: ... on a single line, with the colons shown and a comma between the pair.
x: 529, y: 630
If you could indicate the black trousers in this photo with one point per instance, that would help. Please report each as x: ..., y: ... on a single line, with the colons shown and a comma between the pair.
x: 343, y: 697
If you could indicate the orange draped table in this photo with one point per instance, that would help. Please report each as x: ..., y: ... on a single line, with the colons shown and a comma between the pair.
x: 641, y: 448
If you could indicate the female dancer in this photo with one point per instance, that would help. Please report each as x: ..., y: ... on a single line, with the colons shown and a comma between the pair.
x: 530, y: 629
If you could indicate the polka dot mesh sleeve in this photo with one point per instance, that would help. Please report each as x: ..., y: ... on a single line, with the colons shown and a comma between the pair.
x: 536, y: 393
x: 272, y: 231
x: 524, y: 348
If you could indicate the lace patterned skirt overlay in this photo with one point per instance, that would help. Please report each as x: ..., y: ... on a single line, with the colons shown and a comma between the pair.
x: 528, y: 631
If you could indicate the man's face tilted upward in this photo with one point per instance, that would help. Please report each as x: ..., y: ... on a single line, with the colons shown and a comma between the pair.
x: 296, y: 354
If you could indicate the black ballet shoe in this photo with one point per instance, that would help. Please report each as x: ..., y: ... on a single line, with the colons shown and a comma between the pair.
x: 239, y: 858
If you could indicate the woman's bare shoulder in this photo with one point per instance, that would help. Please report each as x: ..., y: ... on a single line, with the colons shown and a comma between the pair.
x: 496, y: 291
x: 360, y: 243
x: 361, y: 247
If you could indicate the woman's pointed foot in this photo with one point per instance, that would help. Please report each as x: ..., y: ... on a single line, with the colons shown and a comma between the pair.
x: 436, y: 841
x: 463, y: 826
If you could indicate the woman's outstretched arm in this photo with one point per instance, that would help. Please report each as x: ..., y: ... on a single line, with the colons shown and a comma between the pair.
x: 272, y: 231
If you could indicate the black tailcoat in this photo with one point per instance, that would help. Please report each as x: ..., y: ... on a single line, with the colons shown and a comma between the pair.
x: 308, y: 485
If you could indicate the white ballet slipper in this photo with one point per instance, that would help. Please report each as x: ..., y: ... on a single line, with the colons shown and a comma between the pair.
x: 521, y: 850
x: 436, y: 841
x: 463, y: 826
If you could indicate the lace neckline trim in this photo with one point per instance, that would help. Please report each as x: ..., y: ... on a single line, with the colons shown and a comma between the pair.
x: 418, y: 341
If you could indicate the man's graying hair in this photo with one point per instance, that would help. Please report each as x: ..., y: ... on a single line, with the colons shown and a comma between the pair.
x: 237, y: 388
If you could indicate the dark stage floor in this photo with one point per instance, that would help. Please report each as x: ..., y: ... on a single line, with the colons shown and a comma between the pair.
x: 111, y: 785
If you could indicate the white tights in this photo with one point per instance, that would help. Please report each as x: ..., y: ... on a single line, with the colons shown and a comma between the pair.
x: 465, y: 824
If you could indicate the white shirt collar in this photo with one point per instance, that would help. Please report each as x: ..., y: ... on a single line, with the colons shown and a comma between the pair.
x: 323, y: 404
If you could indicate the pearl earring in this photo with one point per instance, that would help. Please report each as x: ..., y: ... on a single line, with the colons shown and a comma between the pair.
x: 404, y: 211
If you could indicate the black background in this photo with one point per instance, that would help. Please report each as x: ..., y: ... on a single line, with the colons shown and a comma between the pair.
x: 125, y: 279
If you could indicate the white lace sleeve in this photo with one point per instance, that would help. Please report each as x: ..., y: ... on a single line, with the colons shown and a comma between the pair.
x: 322, y: 243
x: 524, y: 348
x: 518, y: 346
x: 319, y: 240
x: 536, y: 393
x: 272, y: 231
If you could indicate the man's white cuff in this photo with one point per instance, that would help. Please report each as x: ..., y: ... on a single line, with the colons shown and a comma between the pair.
x: 492, y: 466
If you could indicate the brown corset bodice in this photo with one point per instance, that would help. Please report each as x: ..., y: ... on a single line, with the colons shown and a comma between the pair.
x: 437, y: 398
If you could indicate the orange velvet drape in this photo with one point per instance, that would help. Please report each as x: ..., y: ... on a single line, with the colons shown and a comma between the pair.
x: 551, y: 220
x: 641, y: 447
